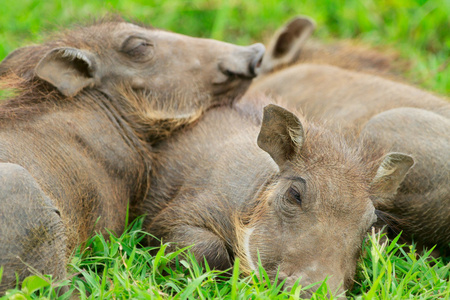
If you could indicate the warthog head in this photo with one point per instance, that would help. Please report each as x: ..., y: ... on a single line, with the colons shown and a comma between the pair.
x: 310, y: 219
x: 182, y: 74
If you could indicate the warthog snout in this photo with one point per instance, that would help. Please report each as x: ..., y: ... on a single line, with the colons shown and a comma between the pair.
x: 256, y: 63
x: 335, y: 283
x: 243, y: 62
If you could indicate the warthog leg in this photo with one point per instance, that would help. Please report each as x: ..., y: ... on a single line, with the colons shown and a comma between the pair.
x: 32, y: 235
x: 183, y: 225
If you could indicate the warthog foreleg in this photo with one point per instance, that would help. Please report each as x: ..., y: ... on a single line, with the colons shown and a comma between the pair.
x: 182, y: 226
x: 205, y: 246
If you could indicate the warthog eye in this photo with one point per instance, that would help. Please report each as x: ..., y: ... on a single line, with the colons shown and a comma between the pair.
x: 137, y: 47
x: 294, y: 194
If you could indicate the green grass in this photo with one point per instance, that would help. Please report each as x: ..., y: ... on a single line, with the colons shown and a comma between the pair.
x: 417, y: 29
x: 119, y: 268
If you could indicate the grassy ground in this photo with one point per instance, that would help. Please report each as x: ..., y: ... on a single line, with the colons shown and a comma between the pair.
x: 118, y: 268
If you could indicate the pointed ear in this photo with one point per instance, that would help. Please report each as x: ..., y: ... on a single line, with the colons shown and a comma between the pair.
x: 68, y: 69
x: 281, y: 134
x: 287, y: 43
x: 391, y: 174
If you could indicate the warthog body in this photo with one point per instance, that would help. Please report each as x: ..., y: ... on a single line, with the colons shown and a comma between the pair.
x: 348, y: 100
x: 422, y: 204
x: 75, y: 143
x: 238, y: 185
x: 343, y: 97
x: 293, y: 45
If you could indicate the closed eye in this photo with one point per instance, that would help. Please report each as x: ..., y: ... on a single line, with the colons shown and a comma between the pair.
x: 137, y: 47
x: 295, y: 195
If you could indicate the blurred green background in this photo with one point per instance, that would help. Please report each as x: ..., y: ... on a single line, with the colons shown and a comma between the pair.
x: 417, y: 29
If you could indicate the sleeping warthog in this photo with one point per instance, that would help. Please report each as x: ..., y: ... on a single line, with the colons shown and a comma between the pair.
x: 75, y: 141
x: 296, y: 195
x: 348, y: 100
x: 422, y: 204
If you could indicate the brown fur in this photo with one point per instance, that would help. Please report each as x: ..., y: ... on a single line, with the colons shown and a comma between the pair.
x: 421, y: 206
x: 344, y: 98
x: 333, y: 82
x: 352, y: 56
x: 88, y: 105
x: 228, y: 185
x: 354, y: 101
x: 292, y: 45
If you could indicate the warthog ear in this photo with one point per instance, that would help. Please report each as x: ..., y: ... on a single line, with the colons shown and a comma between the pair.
x: 287, y: 43
x: 391, y: 174
x: 68, y: 69
x: 281, y: 134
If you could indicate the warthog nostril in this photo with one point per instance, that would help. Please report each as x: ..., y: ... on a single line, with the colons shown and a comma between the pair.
x: 256, y: 62
x: 245, y: 64
x: 254, y: 66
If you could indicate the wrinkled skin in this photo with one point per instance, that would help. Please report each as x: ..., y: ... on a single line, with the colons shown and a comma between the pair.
x: 76, y: 140
x: 291, y: 191
x: 348, y: 101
